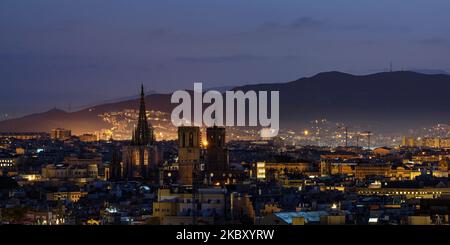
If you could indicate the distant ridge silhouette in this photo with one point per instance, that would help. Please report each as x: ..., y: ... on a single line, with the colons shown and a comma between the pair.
x: 393, y: 101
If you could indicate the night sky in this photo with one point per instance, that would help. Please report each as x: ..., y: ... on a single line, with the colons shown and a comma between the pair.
x: 61, y: 53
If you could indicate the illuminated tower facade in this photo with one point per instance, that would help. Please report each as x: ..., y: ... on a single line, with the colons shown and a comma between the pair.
x: 189, y: 153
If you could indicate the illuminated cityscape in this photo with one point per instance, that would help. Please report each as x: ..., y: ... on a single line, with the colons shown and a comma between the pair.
x: 278, y: 122
x: 160, y: 174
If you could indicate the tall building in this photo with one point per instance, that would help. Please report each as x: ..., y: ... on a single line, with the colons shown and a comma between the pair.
x: 429, y: 142
x: 408, y: 141
x: 189, y: 153
x: 115, y: 168
x: 217, y: 154
x: 140, y: 159
x: 143, y: 134
x: 60, y: 134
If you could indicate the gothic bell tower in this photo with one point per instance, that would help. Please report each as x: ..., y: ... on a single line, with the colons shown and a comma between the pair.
x: 141, y: 158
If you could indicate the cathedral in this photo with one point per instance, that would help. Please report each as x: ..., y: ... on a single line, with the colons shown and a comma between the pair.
x: 140, y: 159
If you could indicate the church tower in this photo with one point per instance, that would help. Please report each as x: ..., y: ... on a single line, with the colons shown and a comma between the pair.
x: 217, y: 154
x: 189, y: 150
x: 143, y: 134
x: 140, y: 159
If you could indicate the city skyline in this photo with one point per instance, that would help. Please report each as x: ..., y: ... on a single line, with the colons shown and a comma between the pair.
x: 89, y: 181
x: 225, y: 120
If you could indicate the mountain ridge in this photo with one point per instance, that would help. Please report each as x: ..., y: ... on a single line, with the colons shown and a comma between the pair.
x: 392, y: 100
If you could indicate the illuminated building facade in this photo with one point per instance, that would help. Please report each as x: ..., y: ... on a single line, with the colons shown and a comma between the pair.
x: 77, y: 173
x: 428, y: 142
x: 260, y: 170
x: 60, y: 134
x: 189, y: 153
x: 177, y: 208
x: 24, y: 135
x: 409, y: 142
x: 263, y: 169
x: 409, y: 193
x: 72, y: 196
x: 88, y: 137
x: 85, y: 160
x: 363, y: 171
x: 331, y: 168
x: 7, y: 165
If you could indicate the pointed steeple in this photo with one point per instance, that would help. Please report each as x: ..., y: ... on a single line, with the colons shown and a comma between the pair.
x: 143, y: 134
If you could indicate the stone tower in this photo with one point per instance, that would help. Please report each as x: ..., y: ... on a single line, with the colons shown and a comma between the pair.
x: 189, y: 153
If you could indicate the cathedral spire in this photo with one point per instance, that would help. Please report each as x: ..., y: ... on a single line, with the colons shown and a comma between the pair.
x: 143, y: 134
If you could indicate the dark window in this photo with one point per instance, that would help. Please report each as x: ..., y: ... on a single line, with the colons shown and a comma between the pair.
x: 191, y: 140
x: 183, y: 140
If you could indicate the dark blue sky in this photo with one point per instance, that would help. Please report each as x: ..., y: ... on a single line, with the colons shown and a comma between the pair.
x: 56, y: 53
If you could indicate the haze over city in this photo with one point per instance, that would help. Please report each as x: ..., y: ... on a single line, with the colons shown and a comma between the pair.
x: 68, y: 54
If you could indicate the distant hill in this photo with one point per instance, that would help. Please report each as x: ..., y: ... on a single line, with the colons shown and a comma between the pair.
x: 125, y: 98
x: 431, y: 71
x: 221, y: 89
x: 390, y: 101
